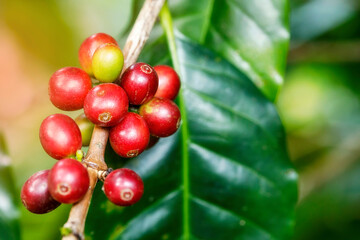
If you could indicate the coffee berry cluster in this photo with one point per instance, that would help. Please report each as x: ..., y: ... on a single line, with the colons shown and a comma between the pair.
x: 138, y: 109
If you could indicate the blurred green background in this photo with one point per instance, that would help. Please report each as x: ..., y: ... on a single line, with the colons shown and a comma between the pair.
x: 319, y: 103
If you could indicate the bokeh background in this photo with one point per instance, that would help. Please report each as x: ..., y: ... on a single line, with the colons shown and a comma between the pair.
x: 319, y: 103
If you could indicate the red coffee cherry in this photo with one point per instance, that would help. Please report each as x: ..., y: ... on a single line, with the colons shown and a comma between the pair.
x: 68, y: 181
x: 130, y: 137
x: 60, y: 136
x: 140, y: 82
x: 162, y: 116
x: 123, y: 187
x: 107, y: 62
x: 169, y: 82
x: 89, y: 46
x: 106, y: 104
x: 35, y: 194
x: 68, y: 88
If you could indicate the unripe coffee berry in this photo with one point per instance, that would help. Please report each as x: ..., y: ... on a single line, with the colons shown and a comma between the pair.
x: 140, y: 82
x: 89, y: 46
x: 68, y: 88
x: 162, y: 116
x: 68, y: 181
x: 130, y: 137
x: 169, y: 82
x: 35, y: 194
x: 60, y: 136
x: 123, y: 187
x: 86, y: 128
x: 106, y: 104
x: 107, y: 62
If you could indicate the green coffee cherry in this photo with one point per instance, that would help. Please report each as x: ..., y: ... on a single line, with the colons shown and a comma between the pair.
x: 107, y: 63
x: 86, y: 128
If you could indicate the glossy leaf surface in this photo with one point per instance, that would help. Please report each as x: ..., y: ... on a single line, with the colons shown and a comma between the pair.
x: 224, y: 175
x: 252, y: 35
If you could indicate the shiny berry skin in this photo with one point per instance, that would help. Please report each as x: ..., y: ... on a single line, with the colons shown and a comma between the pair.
x: 169, y: 82
x: 106, y: 104
x: 162, y: 116
x: 35, y: 194
x: 86, y: 128
x: 140, y: 82
x: 130, y: 137
x: 60, y: 136
x: 89, y: 46
x: 68, y: 87
x: 123, y: 187
x: 68, y: 181
x: 107, y: 62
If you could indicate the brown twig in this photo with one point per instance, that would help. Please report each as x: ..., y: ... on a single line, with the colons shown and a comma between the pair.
x: 94, y: 159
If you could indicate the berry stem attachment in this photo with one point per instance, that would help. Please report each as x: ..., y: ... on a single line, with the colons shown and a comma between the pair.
x: 94, y: 159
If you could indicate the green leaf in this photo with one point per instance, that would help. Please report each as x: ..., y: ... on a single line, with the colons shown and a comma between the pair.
x: 224, y: 175
x: 9, y: 214
x: 252, y: 35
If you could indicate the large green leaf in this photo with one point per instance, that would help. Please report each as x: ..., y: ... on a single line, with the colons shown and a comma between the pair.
x: 9, y: 214
x: 224, y: 175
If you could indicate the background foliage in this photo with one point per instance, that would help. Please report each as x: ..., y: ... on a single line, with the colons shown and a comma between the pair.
x: 319, y: 103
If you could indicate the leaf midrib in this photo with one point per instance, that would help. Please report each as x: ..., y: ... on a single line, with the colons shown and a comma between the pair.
x: 166, y: 22
x: 207, y: 17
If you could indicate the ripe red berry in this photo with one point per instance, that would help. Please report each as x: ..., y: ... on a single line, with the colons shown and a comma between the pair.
x: 131, y: 136
x: 123, y: 187
x: 140, y: 82
x: 35, y: 194
x: 107, y: 62
x: 68, y: 88
x: 89, y: 46
x: 60, y: 136
x: 106, y: 104
x: 68, y: 181
x: 169, y: 82
x: 162, y: 116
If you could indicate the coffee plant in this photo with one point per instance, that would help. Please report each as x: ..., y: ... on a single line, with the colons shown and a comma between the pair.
x: 196, y: 148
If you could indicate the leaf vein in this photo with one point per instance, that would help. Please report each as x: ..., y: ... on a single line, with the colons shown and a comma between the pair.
x: 152, y: 205
x: 241, y: 115
x: 238, y: 6
x: 240, y: 217
x: 256, y: 77
x: 269, y: 181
